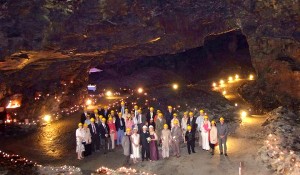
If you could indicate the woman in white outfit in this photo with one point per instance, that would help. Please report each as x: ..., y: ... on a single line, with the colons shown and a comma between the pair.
x: 135, y: 141
x: 79, y: 140
x: 184, y: 123
x: 205, y: 128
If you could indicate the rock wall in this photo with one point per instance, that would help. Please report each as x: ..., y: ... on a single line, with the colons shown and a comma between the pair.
x: 54, y: 40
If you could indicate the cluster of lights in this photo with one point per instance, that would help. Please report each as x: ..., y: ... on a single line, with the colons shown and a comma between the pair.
x: 281, y: 155
x: 222, y: 84
x: 121, y: 170
x: 13, y: 104
x: 18, y: 161
x: 66, y: 170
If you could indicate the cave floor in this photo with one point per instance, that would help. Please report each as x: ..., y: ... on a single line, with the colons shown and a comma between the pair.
x: 55, y: 145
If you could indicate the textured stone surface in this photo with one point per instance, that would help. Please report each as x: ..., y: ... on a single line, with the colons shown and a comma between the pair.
x: 44, y: 42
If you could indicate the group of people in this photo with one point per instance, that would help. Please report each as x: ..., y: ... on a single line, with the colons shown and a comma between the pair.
x: 141, y: 134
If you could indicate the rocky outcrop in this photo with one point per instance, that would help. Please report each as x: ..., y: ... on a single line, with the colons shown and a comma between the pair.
x: 44, y: 42
x: 282, y: 145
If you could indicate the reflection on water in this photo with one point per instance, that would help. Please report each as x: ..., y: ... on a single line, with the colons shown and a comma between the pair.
x: 49, y: 137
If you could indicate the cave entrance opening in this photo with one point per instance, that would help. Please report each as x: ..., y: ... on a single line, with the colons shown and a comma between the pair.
x: 221, y: 55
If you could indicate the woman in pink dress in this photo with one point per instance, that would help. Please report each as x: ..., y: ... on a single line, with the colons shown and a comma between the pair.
x: 129, y: 122
x: 113, y: 132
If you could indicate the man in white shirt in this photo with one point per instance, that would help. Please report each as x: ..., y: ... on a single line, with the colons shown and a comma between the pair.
x: 151, y: 114
x: 122, y: 110
x: 199, y: 122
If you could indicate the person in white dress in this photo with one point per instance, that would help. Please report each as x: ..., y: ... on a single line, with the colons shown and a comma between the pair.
x: 184, y: 123
x: 126, y: 115
x: 174, y: 118
x: 205, y: 128
x: 135, y: 141
x: 199, y: 122
x: 79, y: 140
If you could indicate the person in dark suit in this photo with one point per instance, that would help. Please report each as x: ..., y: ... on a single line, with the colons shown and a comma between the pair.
x: 106, y: 112
x: 100, y: 110
x: 144, y: 142
x: 83, y: 117
x: 104, y: 132
x: 120, y: 127
x: 150, y: 115
x: 94, y: 129
x: 192, y: 121
x: 190, y: 139
x: 169, y: 116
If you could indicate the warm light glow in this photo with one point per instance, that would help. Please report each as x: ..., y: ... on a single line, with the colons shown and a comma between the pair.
x: 222, y: 82
x: 47, y: 118
x: 224, y: 92
x: 88, y: 102
x: 109, y: 93
x: 237, y: 76
x: 13, y: 104
x: 175, y: 86
x: 154, y: 40
x: 243, y: 114
x: 140, y: 90
x: 235, y: 104
x: 214, y: 84
x: 251, y: 77
x: 230, y: 79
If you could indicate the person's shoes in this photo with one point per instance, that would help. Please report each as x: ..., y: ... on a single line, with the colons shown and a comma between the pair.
x: 225, y: 154
x: 178, y: 156
x: 212, y: 153
x: 194, y: 151
x: 221, y: 153
x: 189, y: 152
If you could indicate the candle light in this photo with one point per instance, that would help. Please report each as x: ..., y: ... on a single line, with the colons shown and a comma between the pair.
x: 109, y: 93
x: 140, y: 90
x: 251, y: 77
x: 237, y: 76
x: 175, y: 86
x: 47, y: 118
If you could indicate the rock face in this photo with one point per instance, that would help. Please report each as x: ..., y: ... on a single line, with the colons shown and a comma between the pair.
x: 47, y: 42
x: 281, y: 147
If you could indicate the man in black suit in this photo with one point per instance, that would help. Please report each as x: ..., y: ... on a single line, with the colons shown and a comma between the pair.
x: 150, y: 115
x: 192, y: 121
x: 95, y: 133
x: 145, y: 143
x: 169, y: 116
x: 100, y: 110
x: 120, y: 127
x: 83, y: 117
x: 190, y: 140
x: 104, y: 132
